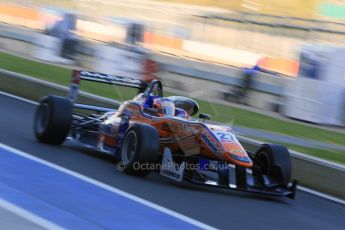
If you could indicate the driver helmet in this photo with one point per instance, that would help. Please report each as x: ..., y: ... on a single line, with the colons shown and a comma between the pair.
x: 164, y: 106
x: 155, y: 90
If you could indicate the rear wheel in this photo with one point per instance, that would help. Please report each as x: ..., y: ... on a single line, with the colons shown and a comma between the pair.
x: 139, y: 150
x: 274, y: 161
x: 53, y: 119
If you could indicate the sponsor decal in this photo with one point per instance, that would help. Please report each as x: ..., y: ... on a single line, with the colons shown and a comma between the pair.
x: 240, y: 158
x: 169, y: 169
x: 225, y: 136
x: 237, y: 151
x: 75, y: 77
x: 108, y: 77
x: 74, y: 87
x: 171, y: 174
x: 211, y: 144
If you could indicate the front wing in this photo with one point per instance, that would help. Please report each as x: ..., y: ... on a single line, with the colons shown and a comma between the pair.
x: 225, y: 177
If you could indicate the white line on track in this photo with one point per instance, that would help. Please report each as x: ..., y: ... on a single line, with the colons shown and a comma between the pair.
x: 19, y: 98
x: 316, y: 193
x: 108, y: 188
x: 320, y: 194
x: 28, y: 215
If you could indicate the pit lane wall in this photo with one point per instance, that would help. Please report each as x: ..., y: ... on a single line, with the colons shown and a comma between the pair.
x: 314, y: 173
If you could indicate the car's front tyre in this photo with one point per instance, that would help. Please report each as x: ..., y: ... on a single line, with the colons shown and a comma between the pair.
x: 274, y: 161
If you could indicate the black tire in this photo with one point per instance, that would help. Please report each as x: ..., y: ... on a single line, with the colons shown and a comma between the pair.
x: 139, y: 149
x: 53, y: 119
x: 274, y: 161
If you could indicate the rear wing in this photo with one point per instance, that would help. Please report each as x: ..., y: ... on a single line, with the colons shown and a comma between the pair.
x: 78, y: 75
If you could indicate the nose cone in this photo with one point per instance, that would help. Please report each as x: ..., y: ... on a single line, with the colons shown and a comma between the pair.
x: 238, y: 156
x: 234, y: 153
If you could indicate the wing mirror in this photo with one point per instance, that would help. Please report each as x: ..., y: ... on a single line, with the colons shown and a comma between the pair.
x: 204, y: 116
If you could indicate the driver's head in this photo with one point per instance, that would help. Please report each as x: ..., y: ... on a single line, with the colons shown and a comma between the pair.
x: 155, y: 90
x: 165, y: 106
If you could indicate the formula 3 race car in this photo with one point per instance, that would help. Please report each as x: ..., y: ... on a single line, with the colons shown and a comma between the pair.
x: 146, y: 138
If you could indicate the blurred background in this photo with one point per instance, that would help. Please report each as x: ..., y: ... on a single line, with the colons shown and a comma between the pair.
x: 280, y: 56
x: 273, y: 70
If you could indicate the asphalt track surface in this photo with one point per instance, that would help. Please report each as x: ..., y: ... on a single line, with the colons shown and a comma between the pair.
x: 218, y: 208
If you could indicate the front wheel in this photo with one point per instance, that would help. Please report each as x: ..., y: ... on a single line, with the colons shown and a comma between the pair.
x: 139, y: 151
x: 273, y: 161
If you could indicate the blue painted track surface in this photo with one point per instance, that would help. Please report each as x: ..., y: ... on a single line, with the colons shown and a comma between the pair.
x: 71, y: 202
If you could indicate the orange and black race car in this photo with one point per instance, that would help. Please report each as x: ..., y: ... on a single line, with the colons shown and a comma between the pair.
x: 157, y: 133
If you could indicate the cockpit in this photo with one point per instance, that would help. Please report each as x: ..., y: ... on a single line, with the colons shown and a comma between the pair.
x: 174, y: 106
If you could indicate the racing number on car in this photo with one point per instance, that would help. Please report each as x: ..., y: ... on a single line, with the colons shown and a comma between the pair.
x: 224, y: 136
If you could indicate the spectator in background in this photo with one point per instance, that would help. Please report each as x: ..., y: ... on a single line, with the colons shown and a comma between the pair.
x: 64, y: 29
x: 135, y: 33
x: 247, y: 83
